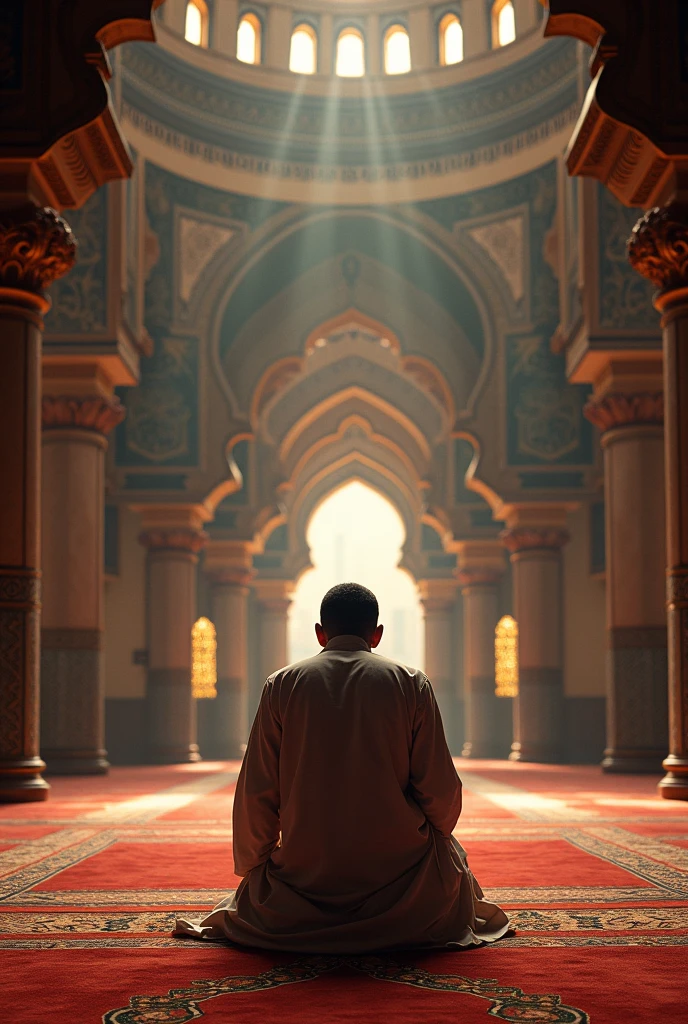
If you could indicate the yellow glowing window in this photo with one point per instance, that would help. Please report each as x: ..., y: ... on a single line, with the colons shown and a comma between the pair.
x: 503, y: 23
x: 203, y: 659
x: 196, y: 23
x: 303, y: 52
x: 350, y: 60
x: 506, y: 657
x: 397, y: 51
x: 451, y: 40
x: 248, y: 39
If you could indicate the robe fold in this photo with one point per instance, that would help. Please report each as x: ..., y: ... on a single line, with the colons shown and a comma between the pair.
x: 343, y: 817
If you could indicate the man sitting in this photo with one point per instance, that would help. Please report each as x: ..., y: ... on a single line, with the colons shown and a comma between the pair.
x: 345, y: 806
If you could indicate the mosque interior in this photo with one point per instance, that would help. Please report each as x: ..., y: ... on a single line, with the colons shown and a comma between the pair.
x: 252, y: 253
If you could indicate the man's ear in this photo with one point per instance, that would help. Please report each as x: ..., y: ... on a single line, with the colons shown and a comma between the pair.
x: 321, y: 635
x: 377, y: 636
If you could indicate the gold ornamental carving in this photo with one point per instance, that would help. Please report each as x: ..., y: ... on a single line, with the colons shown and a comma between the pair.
x: 529, y: 538
x: 95, y: 413
x: 36, y: 247
x: 658, y: 247
x: 178, y: 539
x: 620, y: 410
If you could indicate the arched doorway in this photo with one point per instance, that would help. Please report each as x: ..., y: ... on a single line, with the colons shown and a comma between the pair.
x: 356, y: 535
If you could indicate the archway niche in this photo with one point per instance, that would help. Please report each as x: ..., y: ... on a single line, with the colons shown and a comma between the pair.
x: 355, y: 534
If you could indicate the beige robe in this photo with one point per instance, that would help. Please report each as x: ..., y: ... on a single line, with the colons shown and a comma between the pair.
x: 343, y: 817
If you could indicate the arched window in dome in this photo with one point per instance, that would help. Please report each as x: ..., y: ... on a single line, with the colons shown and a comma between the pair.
x: 249, y: 39
x: 303, y: 52
x: 350, y: 58
x: 503, y: 23
x: 451, y: 40
x: 397, y: 50
x: 196, y: 23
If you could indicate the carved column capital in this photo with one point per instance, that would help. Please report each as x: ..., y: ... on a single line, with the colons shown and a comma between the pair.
x: 658, y: 248
x: 94, y: 412
x: 174, y: 539
x: 274, y: 595
x: 476, y: 577
x: 437, y: 595
x: 534, y: 538
x: 36, y: 247
x: 622, y: 410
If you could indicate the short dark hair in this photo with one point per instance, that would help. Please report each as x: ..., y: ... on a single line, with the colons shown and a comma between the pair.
x: 349, y: 610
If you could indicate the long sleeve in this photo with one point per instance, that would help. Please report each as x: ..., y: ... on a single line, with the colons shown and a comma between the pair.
x: 435, y: 785
x: 256, y: 804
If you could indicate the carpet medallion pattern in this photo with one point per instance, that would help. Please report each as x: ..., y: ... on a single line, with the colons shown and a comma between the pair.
x: 506, y: 1002
x: 592, y: 869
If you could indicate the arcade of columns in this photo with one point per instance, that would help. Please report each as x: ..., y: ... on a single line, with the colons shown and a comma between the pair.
x: 629, y: 404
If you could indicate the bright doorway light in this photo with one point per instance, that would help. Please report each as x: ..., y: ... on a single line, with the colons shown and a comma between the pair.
x: 397, y: 51
x: 356, y: 536
x: 503, y: 23
x: 248, y: 39
x: 451, y: 40
x: 303, y: 51
x: 196, y: 23
x: 350, y: 61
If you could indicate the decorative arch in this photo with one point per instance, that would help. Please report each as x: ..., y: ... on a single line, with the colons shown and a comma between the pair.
x: 225, y: 299
x: 303, y: 49
x: 503, y: 23
x: 397, y: 50
x: 335, y: 476
x: 197, y: 23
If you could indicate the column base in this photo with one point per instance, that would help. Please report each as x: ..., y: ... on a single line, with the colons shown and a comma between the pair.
x: 66, y: 762
x: 674, y: 785
x: 22, y: 783
x: 633, y: 762
x: 537, y: 755
x: 180, y: 755
x: 483, y: 751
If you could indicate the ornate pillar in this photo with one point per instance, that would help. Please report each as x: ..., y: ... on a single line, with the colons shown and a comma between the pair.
x: 480, y: 568
x: 658, y: 249
x: 228, y: 563
x: 633, y: 444
x: 36, y: 247
x: 75, y: 429
x: 274, y: 597
x: 438, y: 597
x: 173, y: 536
x: 534, y: 537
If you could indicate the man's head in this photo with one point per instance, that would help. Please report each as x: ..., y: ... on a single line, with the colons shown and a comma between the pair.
x: 349, y: 610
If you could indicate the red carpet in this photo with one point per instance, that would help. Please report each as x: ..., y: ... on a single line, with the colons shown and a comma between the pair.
x: 593, y: 869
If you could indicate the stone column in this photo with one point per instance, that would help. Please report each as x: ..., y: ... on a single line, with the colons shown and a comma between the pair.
x: 274, y: 597
x: 534, y: 538
x: 658, y: 251
x: 36, y: 247
x: 278, y: 37
x: 480, y: 568
x: 374, y: 58
x: 75, y: 429
x: 421, y: 27
x: 174, y: 14
x: 475, y: 20
x: 224, y: 25
x: 438, y: 597
x: 526, y: 14
x: 326, y: 44
x: 173, y: 536
x: 633, y: 443
x: 228, y: 563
